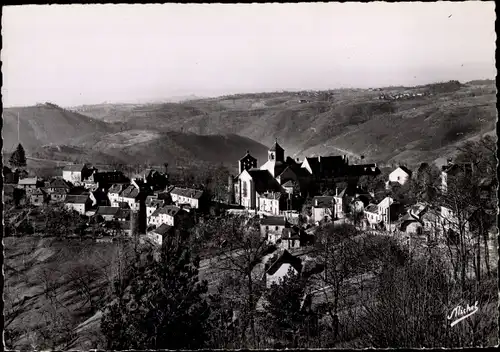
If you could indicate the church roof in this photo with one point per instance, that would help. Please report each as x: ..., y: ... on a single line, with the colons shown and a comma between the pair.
x: 248, y: 156
x: 276, y: 147
x: 264, y: 181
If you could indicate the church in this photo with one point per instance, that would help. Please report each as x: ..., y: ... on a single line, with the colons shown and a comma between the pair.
x: 272, y: 187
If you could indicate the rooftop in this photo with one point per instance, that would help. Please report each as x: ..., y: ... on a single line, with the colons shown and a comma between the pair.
x: 273, y: 220
x: 104, y: 210
x: 76, y: 199
x: 167, y: 209
x: 285, y: 258
x: 187, y: 192
x: 28, y: 181
x: 163, y: 229
x: 372, y: 208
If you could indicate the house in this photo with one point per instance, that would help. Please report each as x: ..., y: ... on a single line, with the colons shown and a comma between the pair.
x: 79, y: 203
x: 74, y: 173
x: 99, y: 197
x: 190, y: 196
x: 130, y: 195
x: 168, y: 214
x: 107, y: 213
x: 401, y: 175
x: 29, y: 184
x: 58, y: 195
x: 114, y: 193
x: 280, y: 268
x: 38, y: 197
x: 410, y: 225
x: 271, y: 202
x: 290, y: 187
x: 372, y: 215
x: 157, y: 235
x: 290, y: 238
x: 323, y: 208
x: 272, y: 227
x: 418, y: 210
x: 152, y: 203
x: 123, y: 214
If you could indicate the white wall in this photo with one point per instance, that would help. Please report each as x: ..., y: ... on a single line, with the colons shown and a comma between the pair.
x: 398, y: 175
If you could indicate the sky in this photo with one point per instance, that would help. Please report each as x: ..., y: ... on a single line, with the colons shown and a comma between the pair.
x: 85, y: 54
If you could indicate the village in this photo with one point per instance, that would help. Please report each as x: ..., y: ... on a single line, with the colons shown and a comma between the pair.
x: 290, y: 200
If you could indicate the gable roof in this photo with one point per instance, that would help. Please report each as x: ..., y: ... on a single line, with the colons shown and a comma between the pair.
x: 105, y: 210
x: 58, y: 183
x: 326, y: 164
x: 248, y: 156
x: 288, y: 183
x: 372, y: 208
x: 285, y: 258
x: 405, y: 169
x: 276, y: 147
x: 454, y: 168
x: 77, y: 199
x: 38, y: 192
x: 187, y: 192
x: 115, y: 188
x: 130, y: 192
x: 171, y: 210
x: 74, y: 168
x: 163, y: 229
x: 273, y: 221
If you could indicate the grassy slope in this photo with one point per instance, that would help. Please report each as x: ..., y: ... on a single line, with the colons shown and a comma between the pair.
x: 44, y: 124
x: 354, y: 121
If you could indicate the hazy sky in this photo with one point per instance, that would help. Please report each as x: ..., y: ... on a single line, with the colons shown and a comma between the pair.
x: 77, y: 54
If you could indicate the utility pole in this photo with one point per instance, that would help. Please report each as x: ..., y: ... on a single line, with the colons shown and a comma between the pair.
x: 18, y: 135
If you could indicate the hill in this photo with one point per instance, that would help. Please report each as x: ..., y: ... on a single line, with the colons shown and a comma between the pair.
x: 156, y: 148
x: 389, y: 124
x: 47, y: 124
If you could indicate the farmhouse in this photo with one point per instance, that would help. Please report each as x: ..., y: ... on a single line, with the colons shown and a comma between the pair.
x: 74, y: 173
x: 401, y: 175
x: 29, y: 184
x: 272, y: 228
x: 190, y: 196
x: 38, y: 197
x: 168, y: 214
x: 78, y: 203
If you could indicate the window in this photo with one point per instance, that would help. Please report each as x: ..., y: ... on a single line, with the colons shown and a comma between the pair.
x: 245, y: 189
x: 271, y: 156
x: 276, y: 228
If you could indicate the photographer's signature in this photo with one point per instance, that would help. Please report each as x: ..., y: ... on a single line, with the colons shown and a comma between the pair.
x: 459, y: 313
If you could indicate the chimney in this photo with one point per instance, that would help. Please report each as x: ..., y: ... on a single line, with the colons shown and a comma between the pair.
x: 336, y: 191
x: 316, y: 202
x: 319, y: 158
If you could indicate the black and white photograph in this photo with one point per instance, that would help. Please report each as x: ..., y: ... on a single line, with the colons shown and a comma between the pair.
x: 255, y: 176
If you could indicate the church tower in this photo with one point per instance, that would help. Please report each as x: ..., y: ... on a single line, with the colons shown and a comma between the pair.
x: 276, y: 153
x: 247, y: 162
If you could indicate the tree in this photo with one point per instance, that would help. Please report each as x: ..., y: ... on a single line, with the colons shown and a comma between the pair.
x: 18, y: 158
x: 285, y: 317
x: 163, y: 307
x: 243, y: 250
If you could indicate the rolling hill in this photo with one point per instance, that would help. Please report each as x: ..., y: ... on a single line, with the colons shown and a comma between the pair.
x: 47, y: 124
x: 409, y: 124
x: 156, y: 148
